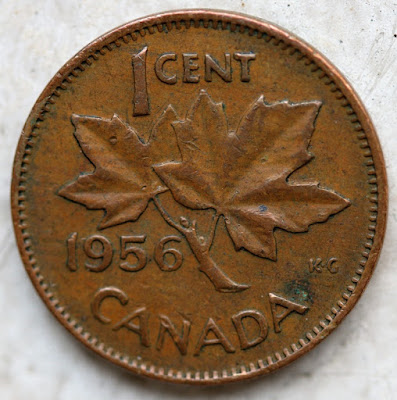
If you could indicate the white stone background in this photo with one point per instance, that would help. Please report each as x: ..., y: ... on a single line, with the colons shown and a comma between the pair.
x: 39, y: 359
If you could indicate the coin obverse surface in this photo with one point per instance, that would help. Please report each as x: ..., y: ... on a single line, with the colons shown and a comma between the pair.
x: 199, y: 196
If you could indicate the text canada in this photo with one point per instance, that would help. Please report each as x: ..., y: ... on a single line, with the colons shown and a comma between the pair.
x: 209, y: 334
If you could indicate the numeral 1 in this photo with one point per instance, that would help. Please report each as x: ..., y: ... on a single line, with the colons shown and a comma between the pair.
x: 140, y: 99
x: 71, y: 246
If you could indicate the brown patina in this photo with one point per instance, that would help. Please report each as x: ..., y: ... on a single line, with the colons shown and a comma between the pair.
x: 199, y: 197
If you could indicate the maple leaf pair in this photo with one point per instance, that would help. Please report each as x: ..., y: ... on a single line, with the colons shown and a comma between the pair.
x: 241, y: 174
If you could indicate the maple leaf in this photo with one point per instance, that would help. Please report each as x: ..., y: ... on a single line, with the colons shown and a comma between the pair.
x: 123, y: 180
x: 243, y: 174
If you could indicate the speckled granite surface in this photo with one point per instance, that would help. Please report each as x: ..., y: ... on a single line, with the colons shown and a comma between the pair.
x: 40, y: 360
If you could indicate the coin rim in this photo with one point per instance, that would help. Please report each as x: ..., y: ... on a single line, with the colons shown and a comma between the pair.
x: 232, y: 21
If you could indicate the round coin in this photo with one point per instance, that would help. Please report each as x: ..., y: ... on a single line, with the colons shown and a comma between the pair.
x: 199, y: 196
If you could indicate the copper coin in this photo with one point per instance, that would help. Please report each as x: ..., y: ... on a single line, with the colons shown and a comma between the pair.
x: 199, y: 196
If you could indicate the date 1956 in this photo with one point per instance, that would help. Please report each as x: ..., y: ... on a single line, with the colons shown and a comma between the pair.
x: 98, y: 247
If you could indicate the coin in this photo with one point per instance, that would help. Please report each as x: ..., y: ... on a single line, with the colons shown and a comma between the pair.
x: 199, y: 197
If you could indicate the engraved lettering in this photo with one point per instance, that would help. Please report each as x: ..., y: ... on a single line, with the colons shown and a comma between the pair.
x: 244, y: 59
x: 251, y: 325
x: 189, y: 66
x: 260, y: 320
x: 160, y: 254
x: 139, y: 253
x: 211, y: 64
x: 141, y: 329
x: 105, y: 252
x: 159, y: 68
x: 317, y: 265
x: 288, y: 307
x: 140, y: 100
x: 181, y: 341
x: 101, y: 295
x: 330, y: 265
x: 220, y: 338
x: 71, y: 261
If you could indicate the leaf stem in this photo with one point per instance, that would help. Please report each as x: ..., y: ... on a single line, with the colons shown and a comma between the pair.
x: 167, y: 217
x: 201, y: 249
x: 211, y: 236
